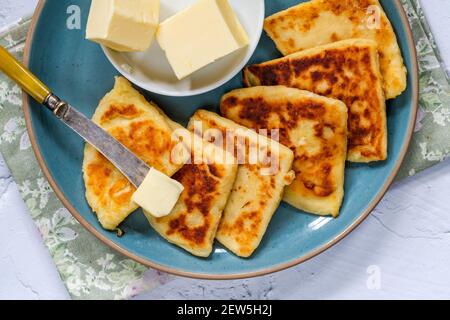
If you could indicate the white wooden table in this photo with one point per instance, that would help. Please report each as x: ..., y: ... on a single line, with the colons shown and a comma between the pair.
x: 406, y: 242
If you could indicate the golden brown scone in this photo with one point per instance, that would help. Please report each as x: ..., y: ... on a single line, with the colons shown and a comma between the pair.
x: 258, y: 189
x: 136, y: 123
x: 347, y: 70
x: 313, y: 126
x: 193, y: 222
x: 320, y: 22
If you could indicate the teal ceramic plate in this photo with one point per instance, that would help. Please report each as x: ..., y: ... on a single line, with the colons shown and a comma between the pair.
x: 78, y: 71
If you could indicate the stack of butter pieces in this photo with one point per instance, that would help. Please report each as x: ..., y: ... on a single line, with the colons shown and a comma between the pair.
x: 192, y: 39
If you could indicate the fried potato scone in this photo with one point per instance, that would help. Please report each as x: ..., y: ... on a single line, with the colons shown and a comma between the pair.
x: 348, y: 71
x: 136, y: 123
x: 259, y: 185
x: 193, y: 222
x: 312, y: 126
x: 308, y: 25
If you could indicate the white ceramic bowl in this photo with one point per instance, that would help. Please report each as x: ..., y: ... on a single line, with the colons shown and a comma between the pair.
x: 151, y: 70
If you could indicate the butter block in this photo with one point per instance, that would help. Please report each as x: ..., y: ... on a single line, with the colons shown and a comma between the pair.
x: 201, y: 34
x: 158, y: 194
x: 125, y: 26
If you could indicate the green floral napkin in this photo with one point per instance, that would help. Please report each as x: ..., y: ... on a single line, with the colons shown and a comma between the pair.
x: 91, y: 270
x: 430, y: 144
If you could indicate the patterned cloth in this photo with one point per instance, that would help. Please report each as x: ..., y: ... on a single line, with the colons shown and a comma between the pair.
x: 89, y: 269
x: 430, y: 144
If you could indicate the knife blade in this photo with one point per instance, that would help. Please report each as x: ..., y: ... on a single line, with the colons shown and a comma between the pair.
x: 133, y: 168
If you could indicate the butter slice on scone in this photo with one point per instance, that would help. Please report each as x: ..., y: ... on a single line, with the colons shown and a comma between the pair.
x: 320, y: 22
x: 136, y: 123
x: 256, y: 193
x: 312, y: 126
x: 348, y: 71
x: 192, y: 224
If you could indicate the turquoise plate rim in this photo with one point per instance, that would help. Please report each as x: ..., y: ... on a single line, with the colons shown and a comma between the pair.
x: 276, y: 268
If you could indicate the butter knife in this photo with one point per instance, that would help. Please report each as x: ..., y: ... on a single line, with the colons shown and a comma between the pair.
x: 133, y: 168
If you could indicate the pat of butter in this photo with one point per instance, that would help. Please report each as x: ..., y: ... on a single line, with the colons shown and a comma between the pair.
x: 201, y: 34
x: 123, y: 25
x: 158, y: 194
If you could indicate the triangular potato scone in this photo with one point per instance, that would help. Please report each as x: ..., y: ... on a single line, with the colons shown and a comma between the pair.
x: 136, y: 123
x: 312, y: 126
x: 348, y: 71
x: 259, y: 185
x: 193, y: 222
x: 320, y: 22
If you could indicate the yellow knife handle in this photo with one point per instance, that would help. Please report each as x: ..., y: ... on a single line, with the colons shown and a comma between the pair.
x: 22, y: 76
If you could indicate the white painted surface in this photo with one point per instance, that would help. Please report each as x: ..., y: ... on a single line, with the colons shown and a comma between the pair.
x: 406, y: 241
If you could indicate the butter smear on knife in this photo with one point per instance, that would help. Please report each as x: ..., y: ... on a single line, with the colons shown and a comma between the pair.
x: 123, y: 25
x: 158, y: 194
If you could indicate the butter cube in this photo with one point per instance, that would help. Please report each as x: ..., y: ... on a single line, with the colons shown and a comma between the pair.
x: 201, y: 34
x: 123, y: 25
x: 158, y: 194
